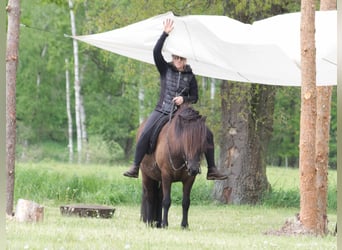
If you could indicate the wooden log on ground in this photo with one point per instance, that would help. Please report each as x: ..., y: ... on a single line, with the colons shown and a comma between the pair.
x: 29, y: 211
x: 87, y: 210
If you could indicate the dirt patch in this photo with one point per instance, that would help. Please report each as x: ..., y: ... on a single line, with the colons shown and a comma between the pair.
x: 292, y: 227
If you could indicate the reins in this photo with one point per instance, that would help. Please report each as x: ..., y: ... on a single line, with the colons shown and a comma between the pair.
x: 185, y: 164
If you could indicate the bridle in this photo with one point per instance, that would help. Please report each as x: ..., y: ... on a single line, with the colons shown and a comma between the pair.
x: 185, y: 164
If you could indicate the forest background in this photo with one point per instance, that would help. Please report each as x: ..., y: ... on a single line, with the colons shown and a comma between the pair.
x: 113, y: 86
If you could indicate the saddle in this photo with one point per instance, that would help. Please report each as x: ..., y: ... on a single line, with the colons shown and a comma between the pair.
x: 157, y: 128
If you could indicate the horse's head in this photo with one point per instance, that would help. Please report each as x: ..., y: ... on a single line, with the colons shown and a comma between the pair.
x: 191, y: 131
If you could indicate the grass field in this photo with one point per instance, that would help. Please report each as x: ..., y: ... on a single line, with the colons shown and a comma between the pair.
x: 211, y: 225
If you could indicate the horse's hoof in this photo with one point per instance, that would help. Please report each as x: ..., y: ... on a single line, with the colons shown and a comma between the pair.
x: 185, y: 226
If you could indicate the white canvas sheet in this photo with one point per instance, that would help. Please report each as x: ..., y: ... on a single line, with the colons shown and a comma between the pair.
x: 267, y: 52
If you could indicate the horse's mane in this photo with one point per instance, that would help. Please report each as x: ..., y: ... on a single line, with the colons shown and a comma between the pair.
x: 190, y: 130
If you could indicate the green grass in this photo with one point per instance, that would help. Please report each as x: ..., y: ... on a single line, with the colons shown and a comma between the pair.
x: 55, y: 183
x: 212, y: 225
x: 285, y: 188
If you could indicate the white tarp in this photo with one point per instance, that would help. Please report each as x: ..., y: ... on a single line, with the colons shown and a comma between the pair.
x: 268, y: 51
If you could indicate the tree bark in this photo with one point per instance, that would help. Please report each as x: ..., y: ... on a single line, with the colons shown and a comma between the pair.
x: 141, y: 97
x: 13, y: 9
x: 247, y: 125
x: 308, y: 172
x: 322, y: 142
x: 77, y: 85
x: 85, y: 144
x: 68, y: 110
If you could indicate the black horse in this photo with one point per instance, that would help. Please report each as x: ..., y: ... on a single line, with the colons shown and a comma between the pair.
x: 180, y: 146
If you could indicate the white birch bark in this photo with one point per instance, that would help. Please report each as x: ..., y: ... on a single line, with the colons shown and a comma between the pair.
x: 77, y: 85
x: 68, y: 109
x: 84, y: 129
x: 83, y: 122
x: 42, y: 54
x: 212, y: 88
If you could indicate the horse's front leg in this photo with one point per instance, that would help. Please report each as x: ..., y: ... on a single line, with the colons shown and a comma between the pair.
x: 186, y: 202
x: 166, y: 201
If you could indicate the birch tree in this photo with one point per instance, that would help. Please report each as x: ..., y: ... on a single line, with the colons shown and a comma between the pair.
x: 13, y: 9
x: 79, y: 109
x: 68, y: 110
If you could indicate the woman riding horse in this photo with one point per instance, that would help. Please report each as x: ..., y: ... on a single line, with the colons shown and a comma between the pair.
x: 179, y: 148
x: 178, y: 86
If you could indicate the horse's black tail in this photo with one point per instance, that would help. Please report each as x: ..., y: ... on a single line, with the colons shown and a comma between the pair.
x: 151, y: 204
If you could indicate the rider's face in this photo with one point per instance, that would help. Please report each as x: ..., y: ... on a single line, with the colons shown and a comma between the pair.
x: 179, y: 62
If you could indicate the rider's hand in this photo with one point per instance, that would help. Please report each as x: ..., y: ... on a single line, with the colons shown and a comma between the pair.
x: 178, y: 100
x: 168, y: 25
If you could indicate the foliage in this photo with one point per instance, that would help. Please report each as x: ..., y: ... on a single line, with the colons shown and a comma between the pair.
x: 98, y: 152
x: 248, y: 11
x: 40, y: 91
x: 283, y: 149
x: 333, y: 131
x: 111, y: 83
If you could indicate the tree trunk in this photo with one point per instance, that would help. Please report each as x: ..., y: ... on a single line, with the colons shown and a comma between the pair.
x: 3, y: 168
x: 68, y: 110
x: 85, y: 144
x: 13, y: 9
x: 247, y: 124
x: 322, y: 153
x: 77, y: 86
x: 141, y: 97
x: 322, y: 142
x: 212, y: 88
x: 85, y: 141
x: 308, y: 173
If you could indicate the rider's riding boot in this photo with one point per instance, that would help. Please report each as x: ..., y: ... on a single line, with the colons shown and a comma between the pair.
x: 133, y: 172
x: 214, y: 174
